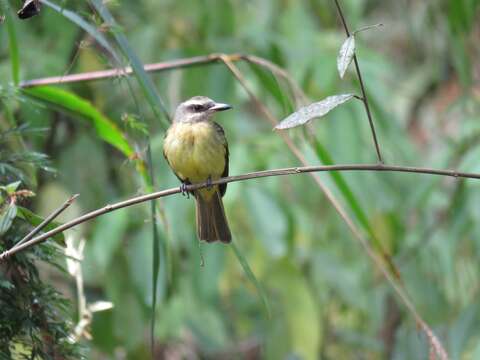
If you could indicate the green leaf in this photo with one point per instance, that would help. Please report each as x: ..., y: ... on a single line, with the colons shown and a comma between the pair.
x: 11, y: 188
x: 251, y: 277
x: 263, y: 208
x: 354, y: 204
x: 343, y: 186
x: 7, y: 285
x: 106, y: 129
x: 345, y: 55
x: 275, y: 85
x: 82, y: 23
x: 6, y: 217
x: 12, y: 42
x: 157, y: 106
x: 299, y: 310
x: 144, y: 80
x: 159, y: 253
x: 318, y: 109
x: 35, y: 220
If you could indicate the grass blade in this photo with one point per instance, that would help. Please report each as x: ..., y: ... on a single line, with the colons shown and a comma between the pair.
x: 85, y: 25
x: 159, y: 251
x: 251, y: 277
x: 12, y: 42
x: 161, y: 113
x: 354, y: 204
x: 144, y: 80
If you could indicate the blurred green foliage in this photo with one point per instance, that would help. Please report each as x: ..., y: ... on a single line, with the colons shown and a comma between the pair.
x: 422, y: 75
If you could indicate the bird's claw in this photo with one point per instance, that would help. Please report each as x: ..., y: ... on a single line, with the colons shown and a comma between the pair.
x: 209, y: 183
x: 184, y: 191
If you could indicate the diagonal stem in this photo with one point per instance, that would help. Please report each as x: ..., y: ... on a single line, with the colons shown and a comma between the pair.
x: 47, y: 221
x: 362, y: 87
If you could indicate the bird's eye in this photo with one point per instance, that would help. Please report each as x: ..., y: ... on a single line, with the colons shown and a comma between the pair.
x: 197, y: 108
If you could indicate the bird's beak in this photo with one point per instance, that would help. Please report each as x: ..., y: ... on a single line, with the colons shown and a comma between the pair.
x: 220, y: 107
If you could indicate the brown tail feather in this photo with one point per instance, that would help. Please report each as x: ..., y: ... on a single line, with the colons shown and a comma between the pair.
x: 212, y: 223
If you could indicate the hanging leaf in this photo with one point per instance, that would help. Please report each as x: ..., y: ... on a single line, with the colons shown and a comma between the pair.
x: 318, y: 109
x: 345, y: 55
x: 6, y: 217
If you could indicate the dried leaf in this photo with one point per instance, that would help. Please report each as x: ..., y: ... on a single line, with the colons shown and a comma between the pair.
x: 318, y: 109
x: 29, y: 9
x: 345, y: 55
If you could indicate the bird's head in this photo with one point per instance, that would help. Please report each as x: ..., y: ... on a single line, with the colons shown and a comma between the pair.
x: 198, y: 108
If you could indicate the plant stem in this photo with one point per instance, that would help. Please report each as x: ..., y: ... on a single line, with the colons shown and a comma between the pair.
x: 47, y: 221
x: 362, y: 87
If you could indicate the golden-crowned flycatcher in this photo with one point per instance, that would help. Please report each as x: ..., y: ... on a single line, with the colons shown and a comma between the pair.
x: 197, y: 151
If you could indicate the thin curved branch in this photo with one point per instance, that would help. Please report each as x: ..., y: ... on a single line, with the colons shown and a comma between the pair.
x: 254, y: 175
x: 113, y: 73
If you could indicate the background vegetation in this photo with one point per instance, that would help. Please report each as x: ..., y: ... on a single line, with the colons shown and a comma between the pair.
x: 326, y: 299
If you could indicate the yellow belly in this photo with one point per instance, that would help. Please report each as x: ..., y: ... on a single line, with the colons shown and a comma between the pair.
x: 195, y: 151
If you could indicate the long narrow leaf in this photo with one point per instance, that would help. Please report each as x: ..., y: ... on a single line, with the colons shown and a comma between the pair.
x: 144, y: 80
x: 158, y: 109
x: 354, y: 204
x: 85, y: 25
x: 159, y: 253
x: 12, y: 42
x: 251, y: 276
x: 106, y: 128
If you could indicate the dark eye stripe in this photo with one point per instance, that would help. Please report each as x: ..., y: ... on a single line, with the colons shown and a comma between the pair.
x: 197, y: 107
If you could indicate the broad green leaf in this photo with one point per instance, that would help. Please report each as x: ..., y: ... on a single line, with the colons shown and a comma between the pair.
x: 6, y: 217
x: 35, y: 220
x: 106, y: 129
x: 345, y: 55
x: 318, y: 109
x: 251, y: 276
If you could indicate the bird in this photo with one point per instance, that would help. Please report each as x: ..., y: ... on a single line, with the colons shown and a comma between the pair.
x: 196, y: 149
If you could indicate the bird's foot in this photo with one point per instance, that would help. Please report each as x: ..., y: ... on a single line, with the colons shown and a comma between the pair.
x: 209, y: 183
x: 184, y: 191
